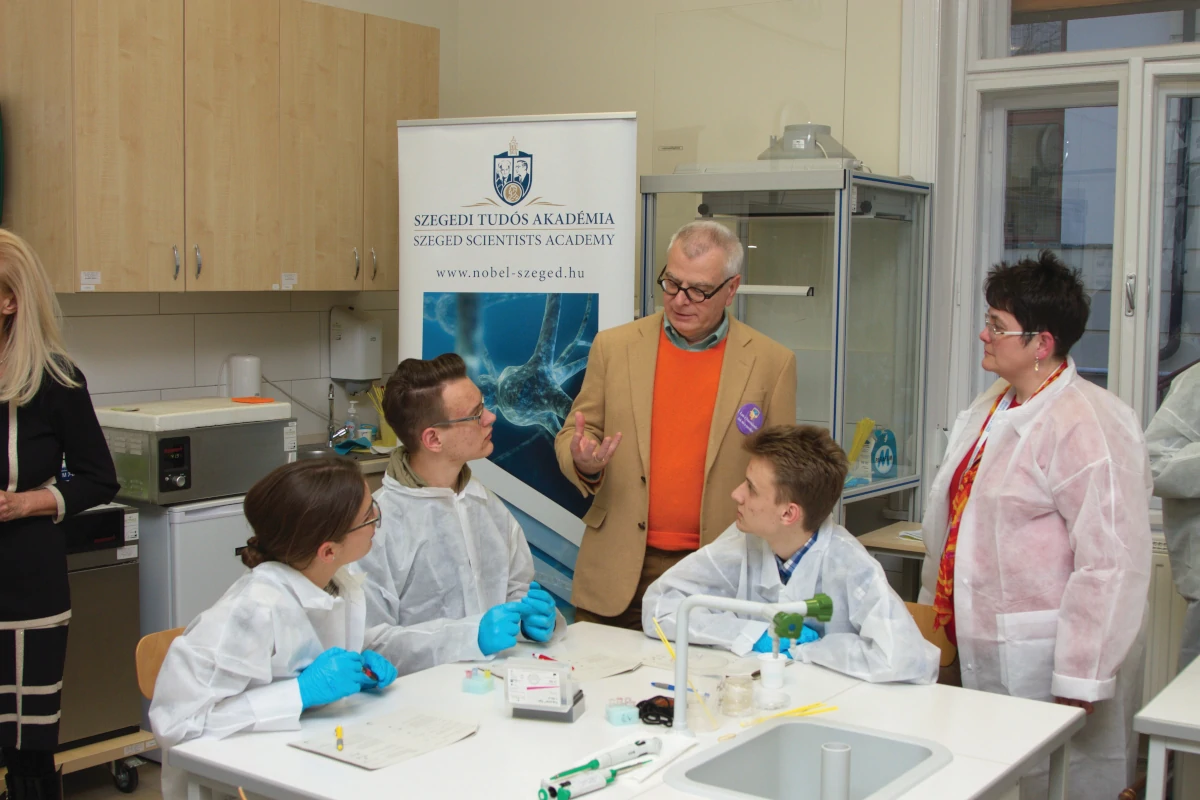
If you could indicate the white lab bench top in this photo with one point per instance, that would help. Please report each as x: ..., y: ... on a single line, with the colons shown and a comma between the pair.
x: 1172, y: 721
x: 994, y: 739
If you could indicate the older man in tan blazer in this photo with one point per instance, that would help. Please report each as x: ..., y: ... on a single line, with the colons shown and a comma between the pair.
x: 684, y: 387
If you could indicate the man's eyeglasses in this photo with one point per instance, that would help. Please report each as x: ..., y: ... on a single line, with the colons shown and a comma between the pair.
x: 671, y: 287
x: 375, y: 519
x: 989, y: 322
x: 480, y: 410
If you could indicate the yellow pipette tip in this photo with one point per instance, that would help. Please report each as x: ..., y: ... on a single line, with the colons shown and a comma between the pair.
x: 671, y: 652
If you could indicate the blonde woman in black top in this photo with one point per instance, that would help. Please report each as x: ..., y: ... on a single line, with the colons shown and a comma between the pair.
x: 46, y: 420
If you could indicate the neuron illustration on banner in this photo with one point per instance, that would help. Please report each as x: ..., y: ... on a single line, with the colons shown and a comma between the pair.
x: 529, y: 373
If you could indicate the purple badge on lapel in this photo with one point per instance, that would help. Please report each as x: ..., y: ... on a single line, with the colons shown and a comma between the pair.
x: 749, y: 418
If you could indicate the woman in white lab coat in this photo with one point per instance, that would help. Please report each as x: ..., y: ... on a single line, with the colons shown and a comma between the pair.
x: 291, y: 634
x: 1037, y: 531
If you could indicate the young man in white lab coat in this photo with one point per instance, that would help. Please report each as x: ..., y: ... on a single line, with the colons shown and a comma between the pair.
x: 785, y: 547
x: 450, y: 565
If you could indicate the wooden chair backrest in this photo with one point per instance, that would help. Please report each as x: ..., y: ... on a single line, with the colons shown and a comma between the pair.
x: 151, y: 651
x: 924, y: 617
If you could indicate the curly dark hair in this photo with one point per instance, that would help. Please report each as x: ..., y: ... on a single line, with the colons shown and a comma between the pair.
x: 1044, y: 294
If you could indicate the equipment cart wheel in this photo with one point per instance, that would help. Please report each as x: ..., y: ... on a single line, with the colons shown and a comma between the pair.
x: 125, y: 777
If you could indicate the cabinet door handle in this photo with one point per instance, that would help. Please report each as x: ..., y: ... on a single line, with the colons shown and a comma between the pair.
x: 1130, y: 291
x: 175, y: 250
x: 374, y: 264
x: 199, y: 261
x: 356, y: 264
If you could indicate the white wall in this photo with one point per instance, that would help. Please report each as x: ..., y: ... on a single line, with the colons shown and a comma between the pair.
x: 140, y: 347
x: 712, y: 77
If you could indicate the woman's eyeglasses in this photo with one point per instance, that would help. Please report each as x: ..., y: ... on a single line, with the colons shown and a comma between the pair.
x: 671, y: 287
x: 989, y: 322
x: 375, y: 519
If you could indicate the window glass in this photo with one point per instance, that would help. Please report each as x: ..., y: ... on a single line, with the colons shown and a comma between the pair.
x: 1178, y: 341
x: 1060, y: 192
x: 1037, y: 26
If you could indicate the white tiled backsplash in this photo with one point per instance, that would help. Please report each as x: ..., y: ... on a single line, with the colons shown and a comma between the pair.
x: 134, y: 348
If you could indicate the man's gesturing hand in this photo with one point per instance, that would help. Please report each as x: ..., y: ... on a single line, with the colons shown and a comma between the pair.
x: 590, y: 457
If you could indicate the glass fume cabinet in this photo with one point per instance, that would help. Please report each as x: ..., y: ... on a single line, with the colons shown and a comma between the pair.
x: 837, y: 270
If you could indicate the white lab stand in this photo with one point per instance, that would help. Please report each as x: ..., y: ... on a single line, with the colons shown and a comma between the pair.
x: 994, y: 739
x: 1172, y: 721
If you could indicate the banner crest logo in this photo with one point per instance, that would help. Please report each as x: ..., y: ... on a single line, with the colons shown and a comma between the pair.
x: 512, y: 173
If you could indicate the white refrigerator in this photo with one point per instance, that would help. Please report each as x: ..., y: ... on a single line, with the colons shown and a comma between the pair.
x: 190, y: 556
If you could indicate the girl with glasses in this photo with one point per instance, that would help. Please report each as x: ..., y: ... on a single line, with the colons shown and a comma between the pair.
x: 289, y: 635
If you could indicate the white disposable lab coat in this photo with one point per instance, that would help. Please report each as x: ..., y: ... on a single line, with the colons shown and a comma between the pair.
x: 1052, y: 566
x: 871, y: 635
x: 437, y: 563
x: 235, y: 667
x: 1173, y: 440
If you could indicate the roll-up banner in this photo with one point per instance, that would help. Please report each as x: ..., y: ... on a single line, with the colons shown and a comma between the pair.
x: 517, y: 244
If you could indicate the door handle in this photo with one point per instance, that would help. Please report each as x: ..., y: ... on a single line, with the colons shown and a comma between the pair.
x: 356, y: 264
x: 175, y: 250
x: 374, y: 264
x: 1130, y: 292
x: 199, y: 261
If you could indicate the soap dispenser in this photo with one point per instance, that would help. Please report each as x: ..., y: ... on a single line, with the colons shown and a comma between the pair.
x: 351, y: 422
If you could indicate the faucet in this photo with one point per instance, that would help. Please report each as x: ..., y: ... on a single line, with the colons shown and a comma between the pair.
x: 786, y: 620
x: 336, y: 434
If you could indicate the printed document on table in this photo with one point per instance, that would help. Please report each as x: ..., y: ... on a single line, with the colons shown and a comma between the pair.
x: 389, y: 740
x: 701, y: 661
x: 594, y: 666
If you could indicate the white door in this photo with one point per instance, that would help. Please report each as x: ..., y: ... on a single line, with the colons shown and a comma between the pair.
x: 205, y: 538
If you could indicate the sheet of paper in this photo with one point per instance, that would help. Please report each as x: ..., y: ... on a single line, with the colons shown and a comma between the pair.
x: 594, y: 666
x: 389, y: 740
x: 914, y: 536
x: 701, y: 661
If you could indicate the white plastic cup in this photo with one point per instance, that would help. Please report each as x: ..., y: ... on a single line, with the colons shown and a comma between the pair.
x: 771, y: 670
x: 835, y: 771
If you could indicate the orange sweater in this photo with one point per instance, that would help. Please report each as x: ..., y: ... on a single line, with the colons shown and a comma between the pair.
x: 685, y: 391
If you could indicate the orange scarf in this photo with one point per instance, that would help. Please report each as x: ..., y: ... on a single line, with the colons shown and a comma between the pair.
x: 943, y: 600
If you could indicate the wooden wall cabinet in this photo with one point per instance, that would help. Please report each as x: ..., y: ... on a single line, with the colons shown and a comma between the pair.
x: 401, y: 83
x: 208, y: 145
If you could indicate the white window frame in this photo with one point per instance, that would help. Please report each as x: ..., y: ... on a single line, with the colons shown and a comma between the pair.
x: 946, y: 85
x: 1000, y: 11
x: 1160, y: 81
x: 980, y: 192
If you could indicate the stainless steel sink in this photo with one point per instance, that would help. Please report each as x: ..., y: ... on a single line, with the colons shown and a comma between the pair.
x: 321, y: 450
x: 781, y: 760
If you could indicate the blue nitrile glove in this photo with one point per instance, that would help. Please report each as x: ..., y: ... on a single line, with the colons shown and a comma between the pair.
x: 382, y: 668
x: 537, y: 614
x: 335, y: 674
x: 499, y: 628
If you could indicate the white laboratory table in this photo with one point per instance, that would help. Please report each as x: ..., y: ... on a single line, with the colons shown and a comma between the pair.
x: 994, y: 739
x: 1172, y: 721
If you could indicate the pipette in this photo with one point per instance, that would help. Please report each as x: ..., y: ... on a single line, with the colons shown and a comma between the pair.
x: 584, y: 784
x: 642, y: 747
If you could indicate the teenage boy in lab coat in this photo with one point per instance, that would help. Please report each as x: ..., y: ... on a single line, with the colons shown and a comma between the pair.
x: 450, y: 565
x: 785, y: 547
